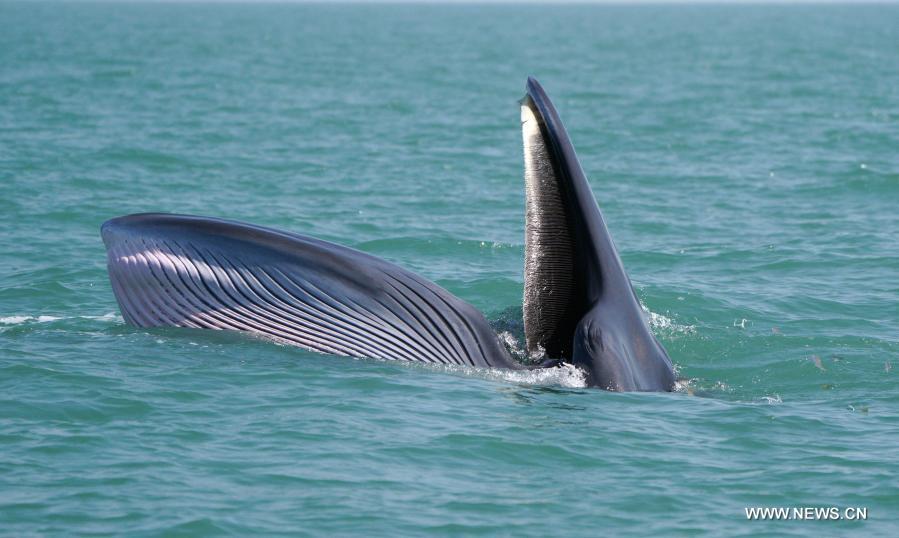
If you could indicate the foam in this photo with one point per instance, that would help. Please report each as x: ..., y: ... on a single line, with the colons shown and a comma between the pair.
x: 567, y: 375
x: 661, y: 323
x: 21, y: 320
x: 18, y: 320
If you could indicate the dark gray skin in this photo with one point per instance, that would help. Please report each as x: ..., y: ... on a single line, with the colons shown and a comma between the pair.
x: 610, y: 338
x: 198, y: 272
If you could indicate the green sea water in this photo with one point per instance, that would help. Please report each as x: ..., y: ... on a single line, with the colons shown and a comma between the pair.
x: 746, y: 159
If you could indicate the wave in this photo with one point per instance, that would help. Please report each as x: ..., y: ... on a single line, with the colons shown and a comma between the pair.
x: 11, y: 321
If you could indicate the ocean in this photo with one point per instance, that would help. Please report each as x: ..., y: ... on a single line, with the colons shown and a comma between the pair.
x: 744, y: 156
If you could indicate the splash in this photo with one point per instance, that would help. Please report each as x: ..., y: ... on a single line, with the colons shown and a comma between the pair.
x: 684, y: 385
x: 11, y: 321
x: 18, y: 320
x: 512, y: 344
x: 663, y: 324
x: 566, y: 375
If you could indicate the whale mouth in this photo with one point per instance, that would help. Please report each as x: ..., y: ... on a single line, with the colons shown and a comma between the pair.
x: 579, y: 304
x: 549, y: 273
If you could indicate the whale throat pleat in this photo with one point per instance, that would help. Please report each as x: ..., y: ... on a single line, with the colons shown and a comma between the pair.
x: 548, y: 266
x: 170, y: 270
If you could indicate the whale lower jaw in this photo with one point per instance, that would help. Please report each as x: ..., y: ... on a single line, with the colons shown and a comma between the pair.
x: 200, y: 272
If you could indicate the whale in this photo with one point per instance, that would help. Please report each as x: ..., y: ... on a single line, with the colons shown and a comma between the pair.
x: 579, y: 306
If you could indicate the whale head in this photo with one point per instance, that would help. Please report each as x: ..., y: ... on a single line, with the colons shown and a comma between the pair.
x: 579, y: 304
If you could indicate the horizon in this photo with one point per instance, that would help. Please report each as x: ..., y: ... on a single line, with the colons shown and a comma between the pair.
x: 616, y: 3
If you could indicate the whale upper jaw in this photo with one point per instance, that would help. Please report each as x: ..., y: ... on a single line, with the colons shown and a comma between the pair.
x: 579, y: 303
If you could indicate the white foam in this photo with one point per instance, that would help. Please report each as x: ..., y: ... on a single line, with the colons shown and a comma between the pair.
x: 19, y: 320
x: 684, y: 385
x: 659, y: 322
x: 567, y: 375
x: 512, y: 344
x: 14, y: 320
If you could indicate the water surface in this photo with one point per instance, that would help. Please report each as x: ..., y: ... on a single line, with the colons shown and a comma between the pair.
x: 745, y: 160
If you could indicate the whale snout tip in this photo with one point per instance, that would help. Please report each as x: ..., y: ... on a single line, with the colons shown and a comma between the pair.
x: 109, y: 229
x: 118, y: 227
x: 115, y: 228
